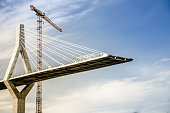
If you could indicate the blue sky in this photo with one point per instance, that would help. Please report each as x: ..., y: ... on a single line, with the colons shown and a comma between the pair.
x: 139, y: 29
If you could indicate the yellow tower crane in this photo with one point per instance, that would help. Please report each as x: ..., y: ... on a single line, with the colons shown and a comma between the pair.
x: 40, y: 15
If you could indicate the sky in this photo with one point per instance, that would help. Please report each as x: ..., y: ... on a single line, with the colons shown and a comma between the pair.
x: 138, y: 29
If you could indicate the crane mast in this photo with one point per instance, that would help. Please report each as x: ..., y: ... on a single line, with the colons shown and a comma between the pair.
x: 40, y: 15
x: 39, y: 64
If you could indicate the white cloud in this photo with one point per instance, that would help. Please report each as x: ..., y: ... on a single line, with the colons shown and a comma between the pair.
x: 165, y: 60
x: 121, y: 93
x: 56, y: 9
x: 4, y: 95
x: 5, y: 102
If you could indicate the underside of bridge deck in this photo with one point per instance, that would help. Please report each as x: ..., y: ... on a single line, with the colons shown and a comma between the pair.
x: 66, y: 70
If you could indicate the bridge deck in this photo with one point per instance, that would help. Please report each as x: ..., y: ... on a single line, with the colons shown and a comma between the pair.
x: 87, y: 65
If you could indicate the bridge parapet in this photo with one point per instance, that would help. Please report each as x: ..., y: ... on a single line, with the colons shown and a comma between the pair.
x: 89, y: 57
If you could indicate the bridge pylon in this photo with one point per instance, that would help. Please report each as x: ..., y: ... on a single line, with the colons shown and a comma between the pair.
x: 18, y: 97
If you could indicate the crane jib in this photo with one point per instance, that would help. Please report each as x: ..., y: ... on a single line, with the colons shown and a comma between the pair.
x: 39, y: 13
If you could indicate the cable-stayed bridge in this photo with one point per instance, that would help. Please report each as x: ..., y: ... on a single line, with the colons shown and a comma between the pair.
x: 60, y: 58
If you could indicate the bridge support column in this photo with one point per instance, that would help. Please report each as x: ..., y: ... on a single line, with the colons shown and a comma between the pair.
x: 18, y: 97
